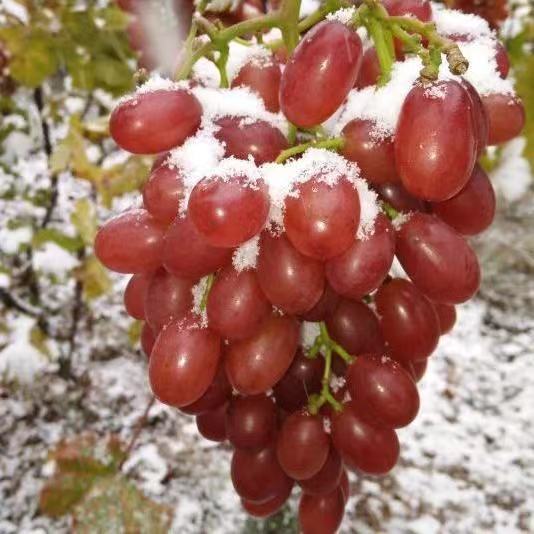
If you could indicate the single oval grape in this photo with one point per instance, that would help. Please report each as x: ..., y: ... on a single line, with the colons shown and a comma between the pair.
x: 374, y: 155
x: 183, y: 362
x: 228, y: 212
x: 291, y: 281
x: 506, y: 116
x: 383, y: 390
x: 355, y: 327
x: 364, y: 447
x: 320, y: 73
x: 408, y: 321
x: 322, y: 220
x: 435, y: 142
x: 134, y: 295
x: 325, y: 306
x: 270, y: 507
x: 472, y: 210
x: 321, y: 514
x: 502, y: 59
x: 187, y: 254
x: 243, y: 138
x: 167, y: 298
x: 217, y: 394
x: 212, y: 425
x: 147, y: 339
x: 446, y: 316
x: 263, y: 77
x: 149, y: 123
x: 399, y: 199
x: 251, y: 421
x: 420, y: 9
x: 302, y: 446
x: 236, y: 304
x: 416, y: 369
x: 302, y: 379
x: 365, y: 264
x: 257, y: 475
x: 327, y: 479
x: 163, y: 192
x: 438, y: 260
x: 131, y: 242
x: 256, y: 364
x: 370, y: 70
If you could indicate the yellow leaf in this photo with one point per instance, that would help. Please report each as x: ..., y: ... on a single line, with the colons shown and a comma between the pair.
x: 94, y: 277
x: 84, y: 220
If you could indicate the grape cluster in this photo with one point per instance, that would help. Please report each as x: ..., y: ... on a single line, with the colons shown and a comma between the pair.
x: 306, y: 359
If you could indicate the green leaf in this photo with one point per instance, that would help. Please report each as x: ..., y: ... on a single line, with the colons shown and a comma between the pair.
x: 94, y: 277
x: 134, y: 332
x: 114, y: 505
x: 84, y: 220
x: 66, y: 242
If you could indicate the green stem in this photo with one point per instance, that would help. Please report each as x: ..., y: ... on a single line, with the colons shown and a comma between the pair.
x: 289, y: 19
x: 385, y: 58
x: 207, y: 289
x: 334, y: 143
x: 390, y: 211
x: 221, y: 65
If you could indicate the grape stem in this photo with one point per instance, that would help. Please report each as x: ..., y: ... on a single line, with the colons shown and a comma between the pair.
x: 335, y: 143
x: 325, y: 345
x: 207, y: 289
x: 390, y: 211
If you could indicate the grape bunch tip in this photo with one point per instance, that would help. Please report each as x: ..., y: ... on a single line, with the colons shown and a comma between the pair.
x: 303, y: 238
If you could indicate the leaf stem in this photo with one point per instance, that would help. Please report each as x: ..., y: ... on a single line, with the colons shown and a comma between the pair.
x: 334, y: 143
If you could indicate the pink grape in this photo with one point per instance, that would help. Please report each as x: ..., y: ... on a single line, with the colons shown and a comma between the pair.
x: 131, y: 242
x: 291, y: 281
x: 322, y: 220
x: 320, y: 73
x: 149, y: 123
x: 134, y: 295
x: 506, y: 115
x: 228, y: 212
x: 163, y: 192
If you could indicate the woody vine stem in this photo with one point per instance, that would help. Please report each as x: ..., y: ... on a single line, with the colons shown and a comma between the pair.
x: 210, y: 41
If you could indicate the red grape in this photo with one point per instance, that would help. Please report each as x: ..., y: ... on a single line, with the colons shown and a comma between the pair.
x: 152, y: 122
x: 186, y: 253
x: 236, y: 304
x: 327, y: 479
x: 263, y: 77
x: 131, y: 242
x: 502, y: 59
x: 257, y: 475
x: 420, y: 9
x: 407, y: 319
x: 506, y: 115
x: 218, y: 392
x: 435, y: 142
x: 374, y: 155
x: 254, y: 365
x: 147, y: 339
x: 302, y: 445
x: 321, y: 514
x: 251, y: 422
x: 365, y: 265
x: 228, y: 212
x: 167, y: 298
x: 355, y: 327
x: 211, y: 425
x: 364, y: 447
x: 446, y: 316
x: 399, y: 199
x: 416, y: 369
x: 163, y: 192
x: 291, y: 281
x: 471, y: 211
x: 324, y: 307
x: 320, y: 73
x: 370, y: 69
x: 383, y: 390
x: 183, y: 362
x: 438, y: 260
x: 302, y: 379
x: 479, y: 115
x: 134, y: 295
x: 243, y: 138
x: 322, y: 220
x: 268, y: 508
